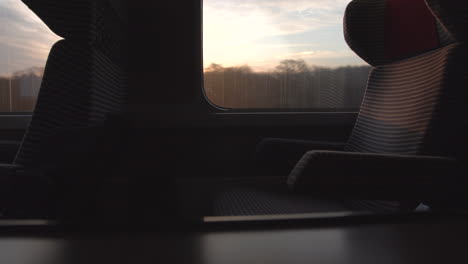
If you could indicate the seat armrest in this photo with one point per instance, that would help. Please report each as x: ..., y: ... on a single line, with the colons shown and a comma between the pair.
x: 278, y: 156
x: 376, y: 176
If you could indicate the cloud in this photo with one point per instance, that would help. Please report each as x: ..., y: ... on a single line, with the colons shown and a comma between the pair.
x: 25, y: 41
x: 288, y: 16
x: 243, y: 6
x: 262, y: 32
x: 302, y: 54
x: 322, y: 54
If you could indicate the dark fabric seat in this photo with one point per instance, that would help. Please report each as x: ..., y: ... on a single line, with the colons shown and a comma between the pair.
x: 266, y: 201
x: 410, y: 138
x: 413, y: 108
x: 83, y: 91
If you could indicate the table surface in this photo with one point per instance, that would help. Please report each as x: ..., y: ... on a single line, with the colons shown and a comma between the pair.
x: 413, y: 241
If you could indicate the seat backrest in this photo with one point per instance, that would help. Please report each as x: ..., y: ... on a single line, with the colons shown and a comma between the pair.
x: 85, y: 78
x: 415, y: 101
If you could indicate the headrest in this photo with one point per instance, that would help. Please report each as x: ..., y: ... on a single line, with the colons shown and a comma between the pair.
x: 96, y: 22
x: 453, y: 15
x: 383, y: 31
x: 78, y: 19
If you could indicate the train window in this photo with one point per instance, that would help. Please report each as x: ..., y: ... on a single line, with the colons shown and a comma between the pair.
x: 25, y: 43
x: 280, y: 54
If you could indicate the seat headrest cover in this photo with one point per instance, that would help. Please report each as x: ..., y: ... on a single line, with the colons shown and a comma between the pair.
x: 453, y: 15
x: 71, y: 19
x: 99, y: 23
x: 410, y: 28
x: 77, y: 19
x: 384, y: 31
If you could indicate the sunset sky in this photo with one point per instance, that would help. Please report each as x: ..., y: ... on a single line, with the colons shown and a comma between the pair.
x: 260, y: 33
x: 25, y: 41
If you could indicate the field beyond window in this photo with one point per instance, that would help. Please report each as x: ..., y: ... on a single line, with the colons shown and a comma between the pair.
x: 279, y: 54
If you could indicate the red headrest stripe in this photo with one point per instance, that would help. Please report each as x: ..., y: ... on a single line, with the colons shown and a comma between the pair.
x: 409, y: 28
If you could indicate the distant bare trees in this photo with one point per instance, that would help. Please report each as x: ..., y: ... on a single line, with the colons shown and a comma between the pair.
x: 292, y: 67
x: 292, y: 84
x: 18, y: 92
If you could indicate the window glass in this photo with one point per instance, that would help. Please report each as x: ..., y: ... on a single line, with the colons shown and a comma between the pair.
x: 280, y: 54
x: 25, y: 43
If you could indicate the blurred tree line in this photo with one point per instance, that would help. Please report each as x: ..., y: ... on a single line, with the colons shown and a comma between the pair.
x: 292, y: 84
x: 18, y: 92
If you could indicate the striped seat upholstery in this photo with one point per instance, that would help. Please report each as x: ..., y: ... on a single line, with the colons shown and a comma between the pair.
x: 417, y: 89
x: 415, y: 101
x: 400, y: 103
x: 415, y: 104
x: 85, y: 80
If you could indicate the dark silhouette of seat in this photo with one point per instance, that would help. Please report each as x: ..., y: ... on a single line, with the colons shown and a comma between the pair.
x: 412, y: 114
x: 410, y: 138
x: 83, y: 89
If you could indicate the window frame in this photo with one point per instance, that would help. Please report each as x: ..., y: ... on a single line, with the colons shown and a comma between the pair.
x: 220, y: 110
x: 15, y: 121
